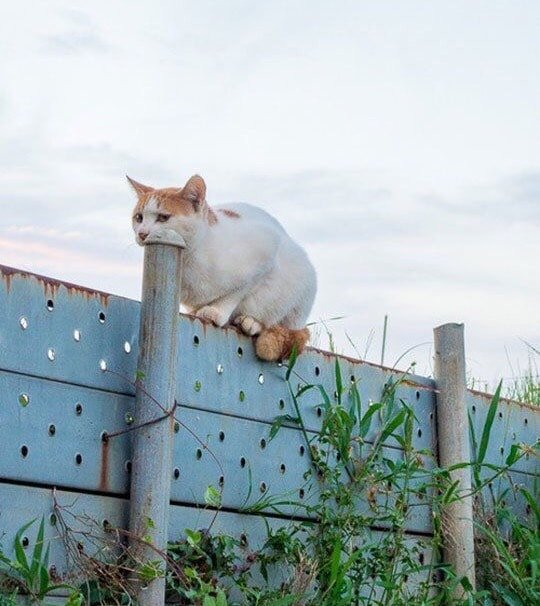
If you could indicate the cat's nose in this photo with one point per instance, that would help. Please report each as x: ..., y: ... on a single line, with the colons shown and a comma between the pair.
x: 143, y: 235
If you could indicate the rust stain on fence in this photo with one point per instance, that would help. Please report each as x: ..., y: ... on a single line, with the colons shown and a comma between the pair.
x: 487, y: 397
x: 52, y: 286
x: 104, y: 466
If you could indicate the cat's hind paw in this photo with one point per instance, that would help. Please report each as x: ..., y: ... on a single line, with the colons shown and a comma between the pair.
x: 208, y: 313
x: 248, y: 325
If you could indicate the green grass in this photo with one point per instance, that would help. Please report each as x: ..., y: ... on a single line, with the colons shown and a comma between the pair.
x: 524, y: 383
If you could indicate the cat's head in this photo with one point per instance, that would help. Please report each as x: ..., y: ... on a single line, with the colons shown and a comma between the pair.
x: 183, y: 209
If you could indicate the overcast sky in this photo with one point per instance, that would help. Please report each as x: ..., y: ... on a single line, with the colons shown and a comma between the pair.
x: 399, y: 142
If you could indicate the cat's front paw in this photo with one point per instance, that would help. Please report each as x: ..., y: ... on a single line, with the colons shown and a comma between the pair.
x: 248, y: 325
x: 208, y: 313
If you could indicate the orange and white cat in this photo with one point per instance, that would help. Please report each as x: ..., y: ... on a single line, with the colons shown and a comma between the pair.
x: 240, y: 265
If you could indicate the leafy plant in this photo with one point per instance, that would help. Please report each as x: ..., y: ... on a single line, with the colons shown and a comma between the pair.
x: 366, y: 480
x: 30, y: 576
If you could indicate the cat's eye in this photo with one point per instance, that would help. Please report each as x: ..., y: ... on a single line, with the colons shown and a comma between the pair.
x: 163, y: 218
x: 138, y: 218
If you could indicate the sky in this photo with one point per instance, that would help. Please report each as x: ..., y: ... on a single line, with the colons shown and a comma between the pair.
x: 399, y: 142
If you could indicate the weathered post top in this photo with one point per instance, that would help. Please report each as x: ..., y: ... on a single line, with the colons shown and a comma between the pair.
x: 168, y: 237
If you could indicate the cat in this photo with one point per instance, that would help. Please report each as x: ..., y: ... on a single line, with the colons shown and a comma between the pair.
x: 240, y: 265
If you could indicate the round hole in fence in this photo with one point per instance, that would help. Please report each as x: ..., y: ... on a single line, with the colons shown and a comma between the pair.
x: 419, y: 433
x: 221, y: 436
x: 24, y: 399
x: 526, y: 421
x: 24, y: 451
x: 421, y: 558
x: 176, y: 427
x: 176, y: 473
x: 281, y: 404
x: 102, y: 365
x: 197, y: 386
x: 25, y: 542
x: 241, y: 396
x: 262, y: 443
x: 127, y: 466
x: 78, y: 409
x: 301, y: 493
x: 23, y: 323
x: 198, y: 454
x: 261, y: 379
x: 52, y: 429
x: 78, y: 458
x: 196, y: 340
x: 262, y: 487
x: 51, y: 354
x: 240, y: 352
x: 101, y: 317
x: 242, y: 462
x: 302, y: 450
x: 52, y: 519
x: 417, y: 394
x: 317, y: 371
x: 319, y: 411
x: 77, y: 335
x: 220, y: 369
x: 127, y: 347
x: 500, y: 415
x: 221, y: 481
x: 50, y: 304
x: 104, y: 437
x: 243, y: 540
x: 129, y: 418
x: 282, y: 468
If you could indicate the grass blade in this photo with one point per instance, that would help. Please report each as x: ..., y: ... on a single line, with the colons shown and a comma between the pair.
x: 38, y: 549
x: 486, y: 432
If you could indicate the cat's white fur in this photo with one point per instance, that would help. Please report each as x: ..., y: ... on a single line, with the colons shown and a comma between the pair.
x: 240, y: 265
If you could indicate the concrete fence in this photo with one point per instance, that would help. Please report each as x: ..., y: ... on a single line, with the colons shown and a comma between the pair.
x: 68, y: 360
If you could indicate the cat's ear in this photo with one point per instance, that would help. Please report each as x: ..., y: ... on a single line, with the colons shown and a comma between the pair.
x: 195, y: 191
x: 139, y: 188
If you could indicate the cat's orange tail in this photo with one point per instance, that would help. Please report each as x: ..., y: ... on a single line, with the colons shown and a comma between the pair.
x: 277, y: 342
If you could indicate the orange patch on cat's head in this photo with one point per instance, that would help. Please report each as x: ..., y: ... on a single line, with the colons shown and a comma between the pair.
x: 185, y: 200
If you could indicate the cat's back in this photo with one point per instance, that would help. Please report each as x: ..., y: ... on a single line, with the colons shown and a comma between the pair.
x: 243, y: 215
